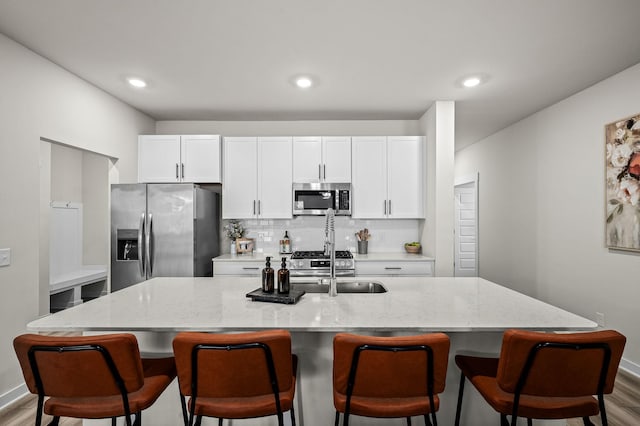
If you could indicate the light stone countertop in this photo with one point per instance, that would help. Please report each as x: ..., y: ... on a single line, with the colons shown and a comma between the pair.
x: 413, y: 304
x: 391, y: 256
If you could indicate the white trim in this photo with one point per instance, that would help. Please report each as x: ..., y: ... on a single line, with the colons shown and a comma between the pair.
x: 630, y: 367
x: 13, y: 395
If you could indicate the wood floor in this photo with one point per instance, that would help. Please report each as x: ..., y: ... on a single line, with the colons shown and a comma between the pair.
x: 623, y: 407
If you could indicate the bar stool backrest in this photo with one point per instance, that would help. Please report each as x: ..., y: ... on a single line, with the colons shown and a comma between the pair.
x: 233, y: 373
x: 78, y: 366
x: 559, y: 365
x: 390, y: 374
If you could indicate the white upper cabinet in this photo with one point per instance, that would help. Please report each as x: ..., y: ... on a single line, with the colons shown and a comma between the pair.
x: 175, y: 158
x: 388, y: 177
x: 405, y: 177
x: 322, y: 159
x: 369, y: 173
x: 257, y: 178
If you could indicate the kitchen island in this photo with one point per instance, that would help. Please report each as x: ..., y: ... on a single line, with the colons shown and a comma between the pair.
x: 472, y: 311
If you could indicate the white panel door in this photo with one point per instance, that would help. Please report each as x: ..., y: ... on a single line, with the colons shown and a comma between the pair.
x: 240, y: 178
x: 405, y: 177
x: 159, y: 158
x: 336, y: 159
x: 369, y: 176
x: 307, y: 159
x: 275, y: 178
x: 200, y: 156
x: 466, y: 230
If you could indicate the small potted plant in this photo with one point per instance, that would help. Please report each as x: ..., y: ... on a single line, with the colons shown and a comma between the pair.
x: 413, y: 247
x: 234, y: 230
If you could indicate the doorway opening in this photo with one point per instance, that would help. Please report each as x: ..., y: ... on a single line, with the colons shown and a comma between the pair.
x: 74, y: 225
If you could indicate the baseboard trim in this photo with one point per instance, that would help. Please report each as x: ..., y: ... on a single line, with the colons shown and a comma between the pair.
x: 630, y: 367
x: 12, y: 396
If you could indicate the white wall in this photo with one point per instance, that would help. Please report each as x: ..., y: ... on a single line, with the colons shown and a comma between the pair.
x: 40, y: 99
x: 542, y: 209
x: 438, y: 124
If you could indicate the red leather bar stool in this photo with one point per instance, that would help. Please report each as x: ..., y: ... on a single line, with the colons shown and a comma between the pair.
x: 389, y: 377
x: 91, y: 377
x: 546, y: 375
x: 236, y: 376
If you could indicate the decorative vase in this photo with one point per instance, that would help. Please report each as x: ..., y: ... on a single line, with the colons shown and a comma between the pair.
x: 232, y: 249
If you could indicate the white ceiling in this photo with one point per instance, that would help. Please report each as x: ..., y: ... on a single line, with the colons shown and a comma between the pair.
x: 372, y: 59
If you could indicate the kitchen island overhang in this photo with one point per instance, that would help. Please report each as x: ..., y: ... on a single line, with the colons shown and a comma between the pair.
x: 474, y: 313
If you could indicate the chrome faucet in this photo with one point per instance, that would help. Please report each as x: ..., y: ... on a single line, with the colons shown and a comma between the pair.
x: 330, y: 250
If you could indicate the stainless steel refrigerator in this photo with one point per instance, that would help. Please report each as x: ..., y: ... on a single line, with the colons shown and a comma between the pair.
x: 162, y: 230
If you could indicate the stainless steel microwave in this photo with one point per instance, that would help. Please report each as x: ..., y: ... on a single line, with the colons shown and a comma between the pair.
x: 316, y: 198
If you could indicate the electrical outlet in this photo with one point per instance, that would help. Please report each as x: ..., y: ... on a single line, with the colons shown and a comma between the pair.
x: 5, y: 257
x: 600, y: 319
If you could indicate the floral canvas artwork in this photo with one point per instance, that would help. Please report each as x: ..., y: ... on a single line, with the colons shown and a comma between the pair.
x: 623, y: 184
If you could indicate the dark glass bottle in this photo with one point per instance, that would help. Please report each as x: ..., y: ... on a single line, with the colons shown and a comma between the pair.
x: 283, y: 278
x: 268, y: 277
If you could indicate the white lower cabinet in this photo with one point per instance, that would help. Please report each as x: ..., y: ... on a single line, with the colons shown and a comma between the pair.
x: 230, y: 267
x: 395, y: 268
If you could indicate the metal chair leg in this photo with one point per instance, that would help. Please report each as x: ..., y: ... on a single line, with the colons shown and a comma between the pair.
x: 198, y: 420
x: 337, y: 421
x: 587, y: 421
x: 427, y: 421
x: 114, y: 421
x: 183, y: 405
x: 504, y: 421
x: 459, y: 405
x: 293, y: 416
x: 529, y: 422
x: 39, y: 412
x: 55, y: 421
x: 408, y: 421
x: 220, y: 422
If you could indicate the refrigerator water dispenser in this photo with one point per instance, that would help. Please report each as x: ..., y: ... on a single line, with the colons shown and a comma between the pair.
x: 127, y: 244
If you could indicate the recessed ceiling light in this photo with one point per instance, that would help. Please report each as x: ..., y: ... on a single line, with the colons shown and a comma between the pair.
x: 304, y: 82
x: 471, y: 82
x: 137, y: 82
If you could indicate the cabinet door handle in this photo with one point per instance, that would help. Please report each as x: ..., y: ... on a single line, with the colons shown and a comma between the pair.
x: 177, y: 176
x: 258, y: 207
x: 389, y: 207
x: 247, y: 268
x: 319, y: 171
x: 385, y: 207
x: 182, y: 164
x: 392, y: 267
x: 324, y: 172
x: 254, y: 206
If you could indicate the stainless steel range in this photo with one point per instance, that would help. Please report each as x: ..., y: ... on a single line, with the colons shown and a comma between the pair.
x: 316, y: 264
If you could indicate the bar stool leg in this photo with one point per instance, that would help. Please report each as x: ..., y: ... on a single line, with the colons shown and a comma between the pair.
x: 337, y: 422
x: 459, y: 405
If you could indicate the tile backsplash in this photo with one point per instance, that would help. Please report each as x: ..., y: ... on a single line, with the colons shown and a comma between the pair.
x: 307, y: 233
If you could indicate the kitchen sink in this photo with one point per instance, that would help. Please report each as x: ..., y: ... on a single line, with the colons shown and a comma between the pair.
x: 343, y: 287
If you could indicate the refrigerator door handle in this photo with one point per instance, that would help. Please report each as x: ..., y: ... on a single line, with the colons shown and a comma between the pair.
x: 148, y: 248
x: 141, y: 251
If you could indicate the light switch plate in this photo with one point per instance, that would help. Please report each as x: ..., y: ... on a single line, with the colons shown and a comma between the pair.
x: 5, y: 257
